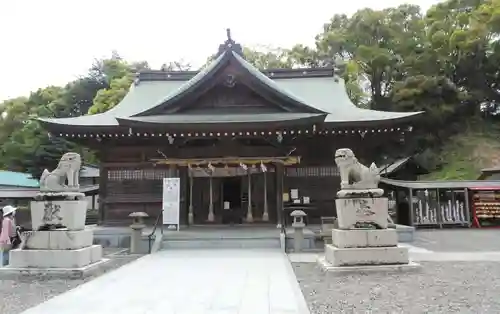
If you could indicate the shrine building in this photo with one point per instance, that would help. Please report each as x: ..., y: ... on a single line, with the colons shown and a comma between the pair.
x: 246, y: 143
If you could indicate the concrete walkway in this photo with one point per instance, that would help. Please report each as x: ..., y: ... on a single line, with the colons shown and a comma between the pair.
x: 189, y: 282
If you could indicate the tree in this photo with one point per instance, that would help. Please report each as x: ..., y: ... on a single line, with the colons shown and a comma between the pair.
x: 268, y: 58
x: 376, y: 41
x: 180, y: 65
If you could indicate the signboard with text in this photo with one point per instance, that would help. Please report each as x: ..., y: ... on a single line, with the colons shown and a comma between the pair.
x: 171, y: 201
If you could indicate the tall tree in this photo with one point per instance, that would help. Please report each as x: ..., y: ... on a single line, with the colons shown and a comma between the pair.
x: 376, y: 41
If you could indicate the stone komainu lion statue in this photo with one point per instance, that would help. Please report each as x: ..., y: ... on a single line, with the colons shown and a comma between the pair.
x: 354, y: 175
x: 67, y: 170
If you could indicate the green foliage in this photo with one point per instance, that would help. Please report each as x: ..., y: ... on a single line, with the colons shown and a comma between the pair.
x: 268, y: 58
x: 464, y: 155
x: 106, y: 99
x: 118, y: 75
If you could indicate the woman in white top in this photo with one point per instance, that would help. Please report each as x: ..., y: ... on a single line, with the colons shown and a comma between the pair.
x: 7, y: 233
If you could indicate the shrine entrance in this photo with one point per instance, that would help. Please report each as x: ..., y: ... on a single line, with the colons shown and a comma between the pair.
x: 232, y: 200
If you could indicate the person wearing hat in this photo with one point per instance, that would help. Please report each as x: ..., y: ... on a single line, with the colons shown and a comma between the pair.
x: 7, y: 233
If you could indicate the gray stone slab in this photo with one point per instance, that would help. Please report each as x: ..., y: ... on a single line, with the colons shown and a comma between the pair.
x: 221, y: 244
x: 326, y: 266
x: 366, y: 256
x: 55, y: 258
x: 204, y: 281
x: 53, y: 273
x: 364, y: 238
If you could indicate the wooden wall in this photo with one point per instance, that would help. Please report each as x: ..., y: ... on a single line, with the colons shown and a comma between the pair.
x: 130, y: 183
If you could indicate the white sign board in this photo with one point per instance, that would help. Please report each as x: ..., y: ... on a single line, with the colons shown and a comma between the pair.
x: 171, y: 201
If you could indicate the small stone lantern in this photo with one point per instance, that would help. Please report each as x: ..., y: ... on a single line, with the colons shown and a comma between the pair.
x: 137, y: 226
x: 298, y: 218
x: 298, y: 225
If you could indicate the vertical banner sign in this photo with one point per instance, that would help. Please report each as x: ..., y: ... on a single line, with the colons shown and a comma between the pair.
x: 171, y: 201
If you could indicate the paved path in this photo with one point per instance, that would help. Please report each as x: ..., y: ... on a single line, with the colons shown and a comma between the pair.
x: 189, y: 282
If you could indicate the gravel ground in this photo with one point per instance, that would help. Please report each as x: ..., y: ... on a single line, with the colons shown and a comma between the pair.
x: 21, y: 294
x: 441, y: 287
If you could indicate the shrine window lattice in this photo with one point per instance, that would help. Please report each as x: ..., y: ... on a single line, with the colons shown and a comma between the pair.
x: 140, y: 174
x: 159, y: 174
x: 312, y: 172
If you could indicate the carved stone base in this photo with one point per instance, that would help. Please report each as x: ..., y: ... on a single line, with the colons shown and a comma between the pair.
x: 357, y: 193
x: 365, y: 210
x: 63, y: 213
x: 359, y: 238
x: 58, y: 239
x: 41, y: 196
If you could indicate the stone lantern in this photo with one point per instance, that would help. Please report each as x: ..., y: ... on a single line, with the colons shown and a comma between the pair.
x: 298, y: 218
x: 298, y: 225
x: 137, y: 226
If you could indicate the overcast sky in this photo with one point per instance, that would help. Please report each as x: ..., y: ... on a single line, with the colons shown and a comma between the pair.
x: 50, y: 42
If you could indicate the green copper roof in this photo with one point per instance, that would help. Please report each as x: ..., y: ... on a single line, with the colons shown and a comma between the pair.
x: 17, y: 179
x: 320, y: 95
x: 328, y: 94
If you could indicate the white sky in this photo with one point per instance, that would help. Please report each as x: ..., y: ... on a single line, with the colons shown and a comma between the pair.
x: 51, y: 42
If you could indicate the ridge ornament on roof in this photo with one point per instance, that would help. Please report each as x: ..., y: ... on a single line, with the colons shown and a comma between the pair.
x: 230, y: 45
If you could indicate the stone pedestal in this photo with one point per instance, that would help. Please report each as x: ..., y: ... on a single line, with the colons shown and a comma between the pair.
x: 67, y: 259
x: 365, y: 210
x: 62, y: 239
x: 68, y: 213
x: 359, y: 238
x: 357, y: 249
x: 54, y: 250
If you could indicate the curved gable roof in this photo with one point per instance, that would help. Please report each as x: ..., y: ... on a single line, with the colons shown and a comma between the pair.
x: 322, y: 94
x: 208, y: 72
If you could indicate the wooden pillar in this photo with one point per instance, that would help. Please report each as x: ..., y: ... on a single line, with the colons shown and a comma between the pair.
x: 249, y: 209
x: 410, y: 201
x: 279, y: 195
x: 190, y: 209
x: 265, y: 215
x: 103, y: 191
x: 183, y: 190
x: 211, y: 216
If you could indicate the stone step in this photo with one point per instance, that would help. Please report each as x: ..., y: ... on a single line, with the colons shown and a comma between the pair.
x: 224, y: 243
